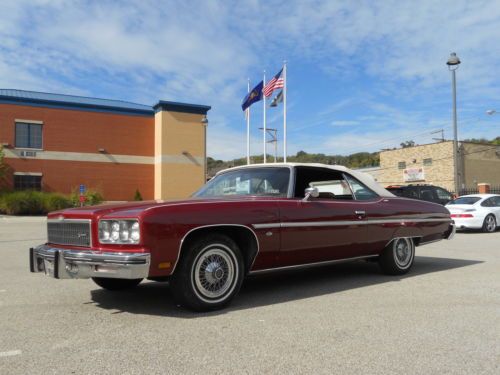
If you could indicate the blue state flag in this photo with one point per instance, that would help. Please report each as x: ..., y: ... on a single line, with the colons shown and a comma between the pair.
x: 253, y: 96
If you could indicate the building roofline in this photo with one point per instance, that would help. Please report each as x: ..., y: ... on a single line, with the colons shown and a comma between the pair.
x: 85, y: 103
x: 437, y: 143
x: 164, y: 105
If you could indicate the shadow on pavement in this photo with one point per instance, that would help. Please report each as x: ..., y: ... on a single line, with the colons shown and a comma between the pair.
x: 153, y: 298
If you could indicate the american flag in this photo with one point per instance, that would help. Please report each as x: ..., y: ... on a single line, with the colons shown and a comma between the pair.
x: 276, y: 83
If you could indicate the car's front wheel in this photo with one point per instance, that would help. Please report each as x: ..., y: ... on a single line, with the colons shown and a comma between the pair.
x: 209, y: 274
x: 116, y: 284
x: 489, y: 224
x: 397, y: 258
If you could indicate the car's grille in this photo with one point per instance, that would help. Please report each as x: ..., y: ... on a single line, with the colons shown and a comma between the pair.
x: 75, y: 233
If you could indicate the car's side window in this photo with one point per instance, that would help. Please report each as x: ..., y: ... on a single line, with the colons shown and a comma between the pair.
x: 427, y: 194
x: 443, y: 194
x: 331, y: 184
x: 410, y: 193
x: 488, y: 203
x: 360, y: 191
x: 496, y: 201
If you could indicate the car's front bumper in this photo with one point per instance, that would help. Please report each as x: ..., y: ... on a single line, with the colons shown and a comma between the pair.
x: 81, y: 264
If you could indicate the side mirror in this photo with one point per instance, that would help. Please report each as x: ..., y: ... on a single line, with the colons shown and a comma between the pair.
x: 311, y: 192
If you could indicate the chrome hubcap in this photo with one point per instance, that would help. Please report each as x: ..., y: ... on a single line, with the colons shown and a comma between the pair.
x: 403, y: 252
x: 214, y: 273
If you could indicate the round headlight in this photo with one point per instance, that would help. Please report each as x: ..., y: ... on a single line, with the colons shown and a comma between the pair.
x: 124, y: 233
x: 104, y: 231
x: 134, y: 232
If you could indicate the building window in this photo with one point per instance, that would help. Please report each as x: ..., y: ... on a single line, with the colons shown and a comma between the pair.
x: 27, y: 182
x: 28, y: 135
x: 402, y: 165
x: 428, y: 161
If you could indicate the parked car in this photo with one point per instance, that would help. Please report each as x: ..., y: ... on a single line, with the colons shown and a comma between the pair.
x: 476, y: 211
x: 246, y: 220
x: 428, y: 193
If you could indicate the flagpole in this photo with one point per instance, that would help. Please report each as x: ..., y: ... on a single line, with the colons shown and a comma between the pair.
x: 248, y: 126
x: 284, y: 111
x: 264, y: 131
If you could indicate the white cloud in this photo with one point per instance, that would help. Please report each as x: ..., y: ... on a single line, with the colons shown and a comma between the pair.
x: 202, y: 52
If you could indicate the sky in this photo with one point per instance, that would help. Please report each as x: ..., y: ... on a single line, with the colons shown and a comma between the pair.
x: 362, y: 75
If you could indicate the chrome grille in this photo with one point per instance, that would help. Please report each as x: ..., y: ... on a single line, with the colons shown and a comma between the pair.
x: 69, y: 232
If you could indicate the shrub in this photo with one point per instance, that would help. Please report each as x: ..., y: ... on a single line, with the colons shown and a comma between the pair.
x: 54, y: 202
x: 137, y: 195
x: 30, y: 202
x: 92, y: 197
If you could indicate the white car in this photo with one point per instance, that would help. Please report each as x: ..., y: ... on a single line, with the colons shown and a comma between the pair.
x: 476, y: 211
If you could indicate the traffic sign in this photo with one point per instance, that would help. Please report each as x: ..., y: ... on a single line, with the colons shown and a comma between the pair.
x: 82, y: 189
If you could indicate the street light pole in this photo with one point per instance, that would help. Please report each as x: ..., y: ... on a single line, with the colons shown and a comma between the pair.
x: 453, y: 63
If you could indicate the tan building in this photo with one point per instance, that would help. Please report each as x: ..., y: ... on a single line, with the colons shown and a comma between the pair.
x: 54, y: 142
x: 433, y: 164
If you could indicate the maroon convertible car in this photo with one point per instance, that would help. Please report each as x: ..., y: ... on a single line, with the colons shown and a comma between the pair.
x: 246, y: 220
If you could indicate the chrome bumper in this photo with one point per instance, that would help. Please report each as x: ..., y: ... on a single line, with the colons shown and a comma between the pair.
x: 79, y: 264
x: 450, y: 233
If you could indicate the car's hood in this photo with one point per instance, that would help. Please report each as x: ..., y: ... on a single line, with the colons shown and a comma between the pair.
x: 137, y: 207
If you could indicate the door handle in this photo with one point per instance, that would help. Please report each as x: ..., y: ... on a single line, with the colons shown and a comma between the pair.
x: 360, y: 213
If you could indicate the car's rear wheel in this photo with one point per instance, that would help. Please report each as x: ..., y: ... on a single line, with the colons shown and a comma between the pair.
x: 116, y: 284
x: 397, y: 258
x: 209, y: 274
x: 489, y: 224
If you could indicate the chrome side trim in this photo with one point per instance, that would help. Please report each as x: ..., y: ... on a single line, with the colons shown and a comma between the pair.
x: 213, y: 226
x: 310, y: 265
x: 267, y: 226
x: 344, y: 223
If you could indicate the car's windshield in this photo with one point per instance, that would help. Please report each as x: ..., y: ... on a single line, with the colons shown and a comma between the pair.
x: 465, y: 200
x: 268, y: 181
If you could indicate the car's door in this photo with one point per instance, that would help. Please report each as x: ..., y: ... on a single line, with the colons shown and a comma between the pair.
x: 331, y: 226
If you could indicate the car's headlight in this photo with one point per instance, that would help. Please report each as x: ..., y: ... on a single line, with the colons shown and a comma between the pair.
x: 119, y: 231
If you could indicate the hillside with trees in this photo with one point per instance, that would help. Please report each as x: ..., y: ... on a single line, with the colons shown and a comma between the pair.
x: 358, y: 160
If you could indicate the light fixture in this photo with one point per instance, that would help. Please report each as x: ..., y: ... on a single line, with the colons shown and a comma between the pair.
x: 101, y: 150
x: 204, y: 120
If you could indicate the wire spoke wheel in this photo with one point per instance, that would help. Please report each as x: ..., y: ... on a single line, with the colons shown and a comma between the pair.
x: 214, y: 272
x: 403, y: 252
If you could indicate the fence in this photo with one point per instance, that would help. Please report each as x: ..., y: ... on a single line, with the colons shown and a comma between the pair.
x: 474, y: 190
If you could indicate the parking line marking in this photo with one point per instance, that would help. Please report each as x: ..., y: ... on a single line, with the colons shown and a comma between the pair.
x: 10, y: 353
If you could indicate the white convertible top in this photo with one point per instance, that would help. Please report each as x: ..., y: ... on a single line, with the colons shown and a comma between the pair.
x: 365, y: 178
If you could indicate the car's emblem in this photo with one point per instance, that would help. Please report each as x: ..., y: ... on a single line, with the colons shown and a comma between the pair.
x: 60, y: 218
x: 81, y: 235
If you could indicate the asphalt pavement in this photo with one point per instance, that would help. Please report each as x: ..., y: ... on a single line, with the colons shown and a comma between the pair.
x: 441, y: 318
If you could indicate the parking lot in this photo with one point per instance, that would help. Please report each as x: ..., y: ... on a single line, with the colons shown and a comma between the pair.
x: 443, y: 317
